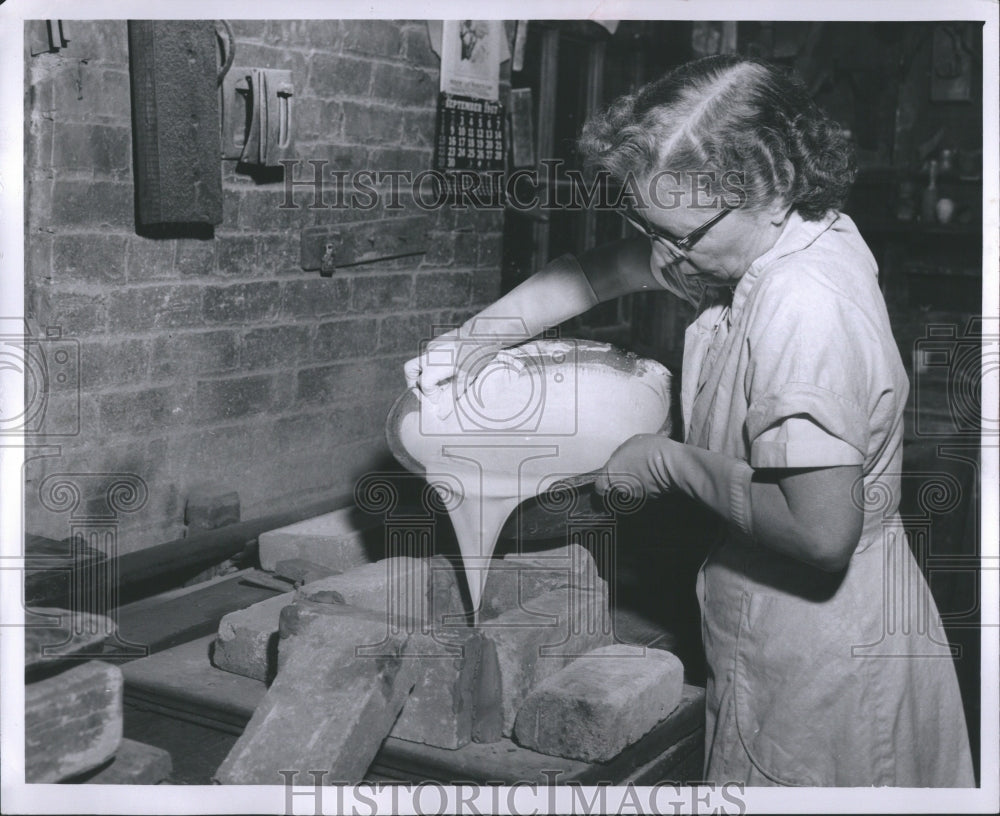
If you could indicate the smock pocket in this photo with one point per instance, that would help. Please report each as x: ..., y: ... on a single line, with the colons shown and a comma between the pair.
x: 794, y: 691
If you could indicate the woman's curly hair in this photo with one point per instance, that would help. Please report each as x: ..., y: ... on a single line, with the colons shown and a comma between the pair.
x: 728, y: 115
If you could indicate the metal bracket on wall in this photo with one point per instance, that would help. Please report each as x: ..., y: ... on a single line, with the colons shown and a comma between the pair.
x: 257, y: 115
x: 329, y: 247
x: 47, y: 36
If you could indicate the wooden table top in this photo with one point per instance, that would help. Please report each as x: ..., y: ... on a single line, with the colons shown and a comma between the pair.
x: 181, y: 683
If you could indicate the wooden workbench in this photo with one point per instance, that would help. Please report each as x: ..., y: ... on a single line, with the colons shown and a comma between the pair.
x: 180, y: 686
x: 175, y: 699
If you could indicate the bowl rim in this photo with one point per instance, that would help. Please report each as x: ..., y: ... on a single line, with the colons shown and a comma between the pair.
x: 595, y: 352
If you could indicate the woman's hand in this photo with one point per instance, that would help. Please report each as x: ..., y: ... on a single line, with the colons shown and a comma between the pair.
x: 661, y: 256
x: 644, y: 457
x: 557, y: 292
x: 431, y: 369
x: 446, y: 368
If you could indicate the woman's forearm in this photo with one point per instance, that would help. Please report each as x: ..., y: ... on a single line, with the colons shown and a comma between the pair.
x: 808, y: 515
x: 557, y: 292
x: 562, y: 289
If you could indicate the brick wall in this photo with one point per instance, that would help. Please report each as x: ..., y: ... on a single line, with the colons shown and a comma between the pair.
x: 220, y: 359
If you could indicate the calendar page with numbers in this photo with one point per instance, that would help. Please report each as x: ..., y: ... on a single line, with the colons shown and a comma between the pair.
x: 470, y: 137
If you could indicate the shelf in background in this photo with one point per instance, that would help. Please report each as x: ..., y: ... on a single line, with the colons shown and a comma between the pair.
x: 893, y: 175
x: 917, y: 229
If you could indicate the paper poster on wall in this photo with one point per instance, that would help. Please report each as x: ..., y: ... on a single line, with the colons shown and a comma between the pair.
x: 470, y: 58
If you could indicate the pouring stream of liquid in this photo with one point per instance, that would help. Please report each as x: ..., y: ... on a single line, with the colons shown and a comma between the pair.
x: 523, y: 429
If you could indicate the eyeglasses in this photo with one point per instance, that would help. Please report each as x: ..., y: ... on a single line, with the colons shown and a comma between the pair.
x: 657, y: 234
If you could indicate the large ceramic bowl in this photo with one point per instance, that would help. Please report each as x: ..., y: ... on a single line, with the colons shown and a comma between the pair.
x: 578, y: 397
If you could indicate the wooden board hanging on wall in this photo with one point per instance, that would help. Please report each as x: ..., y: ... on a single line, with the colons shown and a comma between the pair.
x: 175, y: 122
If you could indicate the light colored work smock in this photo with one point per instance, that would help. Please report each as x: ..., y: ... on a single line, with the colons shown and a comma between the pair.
x: 815, y: 678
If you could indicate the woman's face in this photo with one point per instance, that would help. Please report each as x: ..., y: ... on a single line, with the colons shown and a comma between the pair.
x: 724, y: 251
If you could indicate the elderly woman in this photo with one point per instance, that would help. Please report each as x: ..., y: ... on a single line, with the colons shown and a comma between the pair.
x: 827, y: 664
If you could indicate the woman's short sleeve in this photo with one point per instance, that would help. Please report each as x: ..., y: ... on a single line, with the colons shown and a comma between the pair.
x: 811, y: 352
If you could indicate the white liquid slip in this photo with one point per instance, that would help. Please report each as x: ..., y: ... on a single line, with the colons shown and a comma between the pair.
x: 536, y: 414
